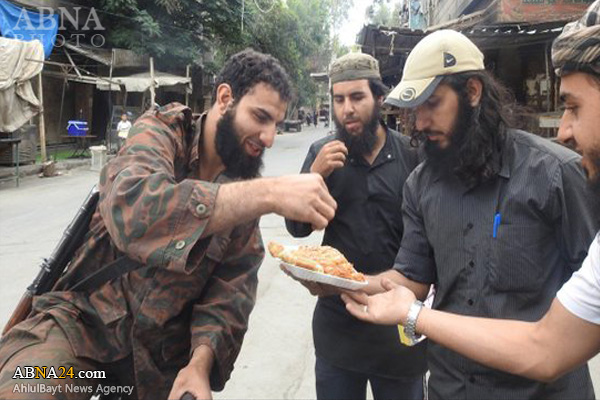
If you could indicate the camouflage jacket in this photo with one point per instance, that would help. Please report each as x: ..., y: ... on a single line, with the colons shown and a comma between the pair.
x: 190, y: 291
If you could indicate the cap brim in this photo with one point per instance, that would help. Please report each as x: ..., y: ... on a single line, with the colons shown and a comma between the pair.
x: 409, y: 94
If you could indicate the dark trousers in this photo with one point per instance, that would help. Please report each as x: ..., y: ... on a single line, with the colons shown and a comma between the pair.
x: 335, y: 383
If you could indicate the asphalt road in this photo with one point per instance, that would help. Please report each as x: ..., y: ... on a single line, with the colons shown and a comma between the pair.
x: 277, y: 358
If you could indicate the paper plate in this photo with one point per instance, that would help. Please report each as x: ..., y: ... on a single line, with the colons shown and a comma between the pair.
x: 313, y: 276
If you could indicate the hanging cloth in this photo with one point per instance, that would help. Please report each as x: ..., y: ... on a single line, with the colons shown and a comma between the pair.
x: 19, y: 62
x: 18, y: 23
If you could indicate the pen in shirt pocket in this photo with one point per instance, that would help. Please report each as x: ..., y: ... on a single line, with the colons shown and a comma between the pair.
x: 497, y: 219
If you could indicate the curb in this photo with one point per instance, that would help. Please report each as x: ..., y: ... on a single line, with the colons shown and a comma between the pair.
x: 34, y: 169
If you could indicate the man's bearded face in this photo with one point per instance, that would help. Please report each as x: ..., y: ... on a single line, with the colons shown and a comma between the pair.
x: 238, y: 163
x: 359, y: 143
x: 447, y: 157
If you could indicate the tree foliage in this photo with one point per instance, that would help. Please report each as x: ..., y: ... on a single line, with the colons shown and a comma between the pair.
x: 178, y: 32
x: 384, y: 13
x: 298, y: 35
x: 175, y: 32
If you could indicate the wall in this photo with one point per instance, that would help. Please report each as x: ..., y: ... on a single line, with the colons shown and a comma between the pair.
x: 52, y: 95
x: 441, y: 11
x: 541, y: 10
x: 78, y: 97
x: 445, y: 10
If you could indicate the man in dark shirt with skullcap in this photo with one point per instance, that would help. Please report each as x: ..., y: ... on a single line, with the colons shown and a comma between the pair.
x: 364, y: 166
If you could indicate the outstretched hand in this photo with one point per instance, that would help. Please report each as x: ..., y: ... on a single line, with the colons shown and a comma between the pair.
x: 387, y: 308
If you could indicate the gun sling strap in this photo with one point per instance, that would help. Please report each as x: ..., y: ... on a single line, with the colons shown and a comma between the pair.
x: 118, y: 267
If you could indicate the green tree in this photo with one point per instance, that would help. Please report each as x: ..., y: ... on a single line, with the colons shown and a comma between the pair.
x: 384, y: 13
x: 175, y: 32
x: 179, y: 32
x: 298, y: 33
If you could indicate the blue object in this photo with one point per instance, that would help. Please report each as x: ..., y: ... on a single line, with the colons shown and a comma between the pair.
x: 18, y: 23
x: 497, y: 219
x: 77, y: 128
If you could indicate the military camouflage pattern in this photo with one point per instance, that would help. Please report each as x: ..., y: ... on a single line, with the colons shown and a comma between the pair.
x: 577, y: 48
x: 191, y: 291
x: 41, y: 335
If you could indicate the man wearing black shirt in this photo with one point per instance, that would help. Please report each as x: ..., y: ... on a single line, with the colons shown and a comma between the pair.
x: 496, y: 218
x: 364, y: 166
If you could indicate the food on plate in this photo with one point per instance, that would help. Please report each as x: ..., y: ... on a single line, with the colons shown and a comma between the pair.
x: 323, y: 259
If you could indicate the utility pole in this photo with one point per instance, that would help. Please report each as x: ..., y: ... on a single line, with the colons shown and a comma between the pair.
x: 152, y: 94
x: 42, y: 127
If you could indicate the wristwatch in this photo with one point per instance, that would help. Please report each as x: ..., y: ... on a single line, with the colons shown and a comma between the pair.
x: 411, y: 321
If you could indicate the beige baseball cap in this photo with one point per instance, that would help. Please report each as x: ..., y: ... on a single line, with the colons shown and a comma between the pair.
x: 443, y: 52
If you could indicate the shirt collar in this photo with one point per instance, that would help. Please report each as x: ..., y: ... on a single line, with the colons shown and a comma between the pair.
x: 195, y: 151
x: 386, y: 154
x: 196, y: 142
x: 504, y: 160
x: 508, y: 155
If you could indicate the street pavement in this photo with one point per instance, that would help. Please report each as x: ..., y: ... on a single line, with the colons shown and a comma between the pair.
x: 277, y: 359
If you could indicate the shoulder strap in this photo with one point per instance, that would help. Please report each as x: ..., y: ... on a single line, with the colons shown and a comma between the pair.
x: 118, y: 267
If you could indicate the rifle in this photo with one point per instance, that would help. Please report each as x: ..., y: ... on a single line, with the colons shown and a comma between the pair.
x: 54, y: 266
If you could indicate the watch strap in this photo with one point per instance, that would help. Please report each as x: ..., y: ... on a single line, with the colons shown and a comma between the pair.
x: 411, y: 320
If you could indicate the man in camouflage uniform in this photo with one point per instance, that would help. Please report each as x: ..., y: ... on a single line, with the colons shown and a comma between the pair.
x: 171, y: 200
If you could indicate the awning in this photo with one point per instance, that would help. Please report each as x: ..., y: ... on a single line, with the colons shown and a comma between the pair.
x: 103, y: 56
x: 394, y: 41
x: 141, y: 82
x: 392, y: 45
x: 121, y: 58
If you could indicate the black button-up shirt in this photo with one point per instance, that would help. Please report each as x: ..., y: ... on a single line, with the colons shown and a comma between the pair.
x: 367, y: 229
x: 545, y: 223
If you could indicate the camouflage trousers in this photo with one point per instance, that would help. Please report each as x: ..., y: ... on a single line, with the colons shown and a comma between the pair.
x: 37, y: 362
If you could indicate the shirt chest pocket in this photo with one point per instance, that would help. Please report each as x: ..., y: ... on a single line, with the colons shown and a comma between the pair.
x: 515, y: 257
x: 109, y: 303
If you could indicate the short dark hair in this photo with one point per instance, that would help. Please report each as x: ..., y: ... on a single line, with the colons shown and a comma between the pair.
x: 378, y: 89
x: 246, y: 69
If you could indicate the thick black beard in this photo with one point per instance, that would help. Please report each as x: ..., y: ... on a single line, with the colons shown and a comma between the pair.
x: 364, y: 143
x: 594, y: 182
x: 238, y: 163
x: 446, y: 160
